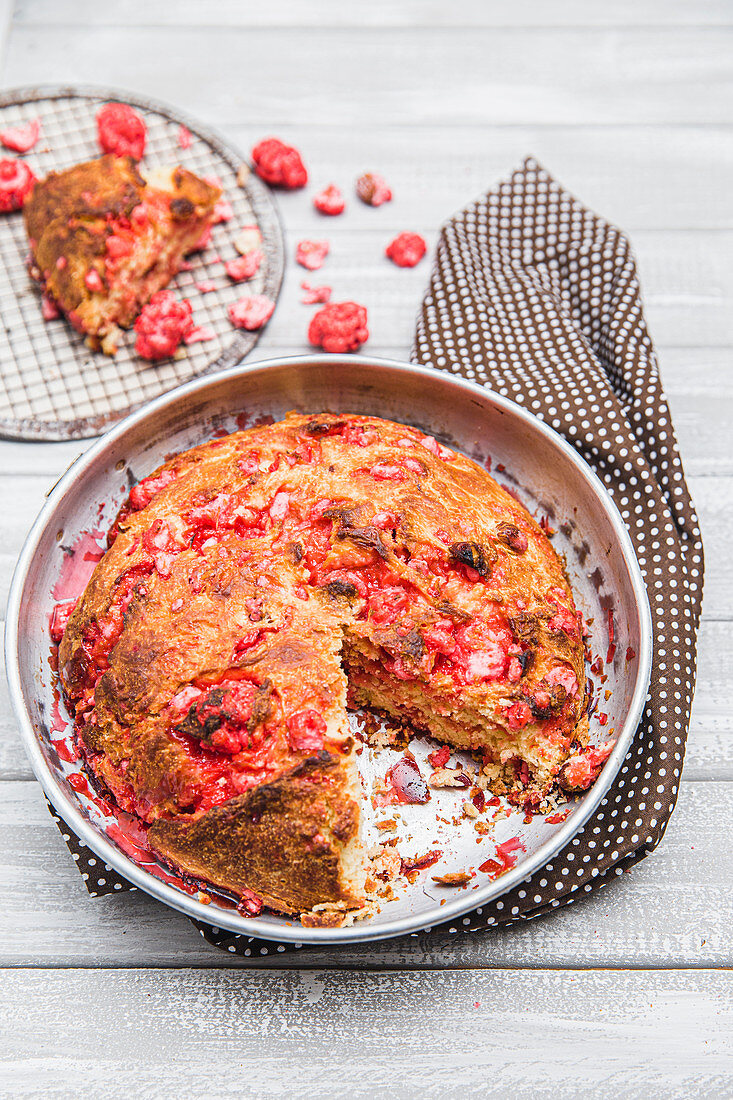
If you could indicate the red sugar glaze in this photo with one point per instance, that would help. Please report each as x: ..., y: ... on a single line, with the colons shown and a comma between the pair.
x: 329, y: 200
x: 406, y: 250
x: 313, y: 295
x: 339, y: 327
x: 251, y: 312
x: 311, y: 254
x: 244, y: 267
x: 80, y: 783
x: 78, y: 566
x: 162, y: 325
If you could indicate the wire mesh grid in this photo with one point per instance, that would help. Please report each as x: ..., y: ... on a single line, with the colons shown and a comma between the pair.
x: 52, y: 386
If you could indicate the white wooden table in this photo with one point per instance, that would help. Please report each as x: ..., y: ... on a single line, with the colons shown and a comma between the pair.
x: 627, y: 992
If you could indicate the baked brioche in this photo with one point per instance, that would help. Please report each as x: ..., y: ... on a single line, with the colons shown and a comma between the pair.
x: 104, y: 239
x: 252, y: 581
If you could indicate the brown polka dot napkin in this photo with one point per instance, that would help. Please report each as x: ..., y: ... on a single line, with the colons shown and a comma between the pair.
x: 538, y: 298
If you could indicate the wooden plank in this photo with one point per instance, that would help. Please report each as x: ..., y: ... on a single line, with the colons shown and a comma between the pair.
x: 439, y: 75
x: 676, y: 905
x: 528, y: 14
x: 535, y: 1034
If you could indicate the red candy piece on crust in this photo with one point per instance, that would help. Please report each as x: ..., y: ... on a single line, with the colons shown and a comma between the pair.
x: 251, y: 312
x: 329, y: 200
x: 16, y: 184
x: 21, y: 138
x: 244, y: 267
x: 518, y: 715
x: 185, y: 141
x: 121, y: 131
x: 311, y: 254
x: 406, y: 250
x: 279, y: 164
x: 306, y: 730
x: 162, y: 325
x: 339, y: 326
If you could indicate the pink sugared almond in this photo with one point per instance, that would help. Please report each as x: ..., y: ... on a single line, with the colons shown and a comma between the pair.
x: 244, y: 267
x: 21, y: 139
x: 311, y: 254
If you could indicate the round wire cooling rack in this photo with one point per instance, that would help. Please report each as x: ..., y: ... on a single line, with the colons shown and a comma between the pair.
x: 52, y: 386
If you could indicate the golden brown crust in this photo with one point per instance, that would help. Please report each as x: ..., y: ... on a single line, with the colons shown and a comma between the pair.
x: 283, y: 840
x: 248, y: 575
x: 70, y: 217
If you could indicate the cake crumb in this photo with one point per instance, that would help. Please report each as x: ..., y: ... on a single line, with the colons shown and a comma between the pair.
x: 453, y: 878
x: 449, y: 777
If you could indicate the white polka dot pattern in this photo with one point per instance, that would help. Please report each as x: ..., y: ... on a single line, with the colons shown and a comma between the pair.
x: 538, y: 298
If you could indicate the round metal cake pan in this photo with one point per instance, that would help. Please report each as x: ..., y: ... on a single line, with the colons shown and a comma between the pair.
x: 532, y: 459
